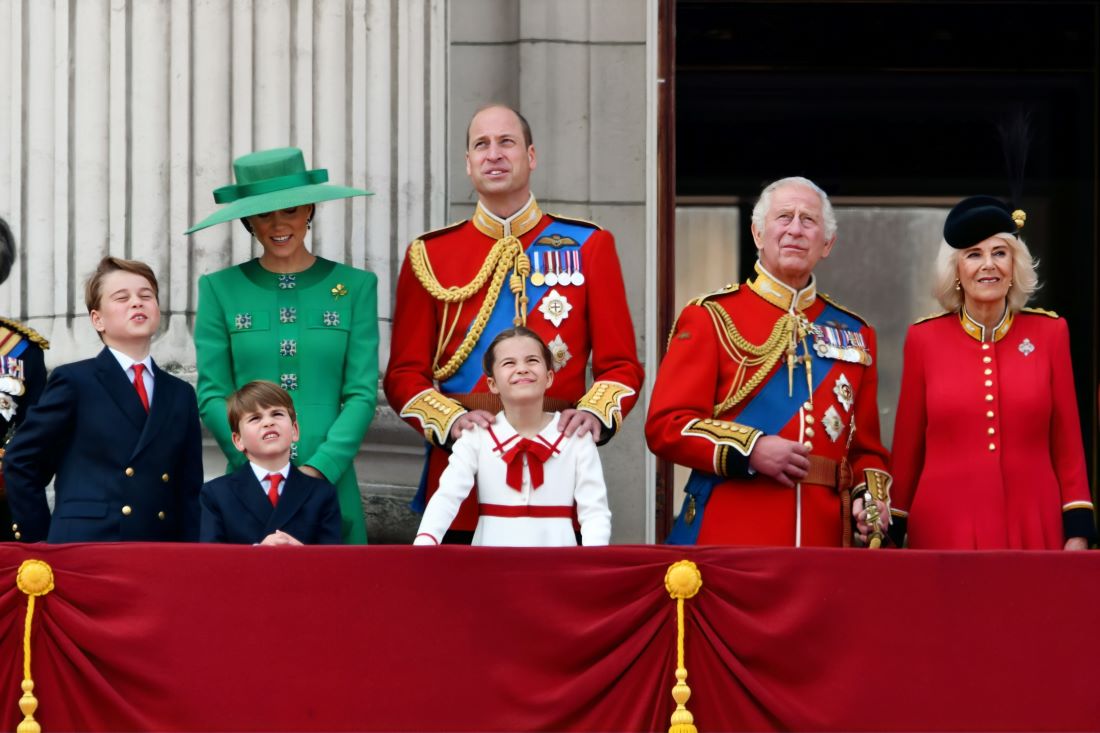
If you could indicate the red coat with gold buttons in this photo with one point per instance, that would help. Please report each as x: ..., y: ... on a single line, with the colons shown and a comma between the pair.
x: 430, y: 332
x: 987, y: 444
x: 726, y: 381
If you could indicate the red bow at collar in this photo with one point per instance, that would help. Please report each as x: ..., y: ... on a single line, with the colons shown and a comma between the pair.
x: 537, y: 454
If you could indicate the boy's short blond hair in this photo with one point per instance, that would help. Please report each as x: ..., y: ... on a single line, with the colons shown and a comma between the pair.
x: 93, y: 287
x: 254, y: 397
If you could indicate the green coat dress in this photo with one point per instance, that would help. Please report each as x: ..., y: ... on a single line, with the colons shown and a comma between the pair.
x: 313, y: 332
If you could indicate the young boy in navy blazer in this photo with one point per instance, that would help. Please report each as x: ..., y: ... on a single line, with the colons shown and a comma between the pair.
x: 119, y: 437
x: 268, y: 501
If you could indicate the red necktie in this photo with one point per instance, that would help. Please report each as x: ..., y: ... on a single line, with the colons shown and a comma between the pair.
x: 273, y: 491
x: 139, y: 385
x: 536, y: 452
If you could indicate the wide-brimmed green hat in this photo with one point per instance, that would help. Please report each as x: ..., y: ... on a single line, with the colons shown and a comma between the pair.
x: 271, y: 180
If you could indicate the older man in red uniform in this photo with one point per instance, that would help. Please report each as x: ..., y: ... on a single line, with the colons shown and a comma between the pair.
x: 509, y: 264
x: 768, y: 392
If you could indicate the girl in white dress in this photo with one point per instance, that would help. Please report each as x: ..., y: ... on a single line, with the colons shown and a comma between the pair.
x: 529, y: 475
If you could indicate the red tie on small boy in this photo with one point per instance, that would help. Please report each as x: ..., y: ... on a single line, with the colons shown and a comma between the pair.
x: 273, y: 491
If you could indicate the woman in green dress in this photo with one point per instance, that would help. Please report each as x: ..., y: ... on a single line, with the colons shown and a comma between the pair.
x: 291, y: 317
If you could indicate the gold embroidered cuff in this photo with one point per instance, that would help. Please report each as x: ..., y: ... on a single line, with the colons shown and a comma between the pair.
x: 436, y: 414
x: 605, y: 401
x: 878, y: 482
x: 725, y: 435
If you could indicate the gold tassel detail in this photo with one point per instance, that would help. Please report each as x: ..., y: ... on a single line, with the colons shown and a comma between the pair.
x: 35, y: 578
x: 682, y: 581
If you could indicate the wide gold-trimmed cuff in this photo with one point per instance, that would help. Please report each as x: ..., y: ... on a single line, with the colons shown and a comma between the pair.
x: 724, y: 435
x: 879, y: 483
x: 435, y: 413
x: 605, y: 401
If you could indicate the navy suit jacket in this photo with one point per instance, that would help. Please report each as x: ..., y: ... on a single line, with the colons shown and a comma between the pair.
x: 236, y: 510
x: 119, y: 473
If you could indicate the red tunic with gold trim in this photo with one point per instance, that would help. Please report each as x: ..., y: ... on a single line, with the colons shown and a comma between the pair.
x: 461, y: 285
x: 765, y: 360
x: 987, y: 445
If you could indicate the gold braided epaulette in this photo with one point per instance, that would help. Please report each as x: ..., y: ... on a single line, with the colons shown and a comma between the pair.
x: 575, y: 220
x: 441, y: 230
x: 724, y: 290
x: 828, y: 299
x: 1041, y: 312
x: 932, y: 316
x: 24, y: 330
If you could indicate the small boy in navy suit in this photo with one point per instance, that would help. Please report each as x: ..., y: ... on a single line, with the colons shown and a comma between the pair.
x: 119, y: 437
x: 267, y: 501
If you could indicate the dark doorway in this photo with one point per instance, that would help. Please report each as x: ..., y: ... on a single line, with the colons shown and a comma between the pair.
x: 902, y: 101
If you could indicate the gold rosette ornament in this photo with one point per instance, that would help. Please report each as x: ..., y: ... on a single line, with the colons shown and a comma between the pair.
x: 682, y: 581
x: 35, y: 578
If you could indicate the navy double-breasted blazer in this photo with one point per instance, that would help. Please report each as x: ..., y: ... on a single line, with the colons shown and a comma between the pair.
x: 119, y: 474
x: 236, y: 510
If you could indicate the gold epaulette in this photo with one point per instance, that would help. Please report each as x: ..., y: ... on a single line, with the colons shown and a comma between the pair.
x: 828, y: 299
x: 1041, y: 312
x: 932, y: 316
x: 699, y: 300
x: 441, y: 230
x: 575, y: 220
x: 724, y: 290
x: 24, y: 330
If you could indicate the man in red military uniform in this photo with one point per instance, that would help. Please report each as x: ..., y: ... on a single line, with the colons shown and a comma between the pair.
x: 509, y: 264
x: 768, y: 392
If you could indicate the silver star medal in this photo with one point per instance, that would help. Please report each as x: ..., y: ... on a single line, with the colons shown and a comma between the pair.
x: 844, y: 393
x: 834, y: 426
x: 7, y: 407
x: 559, y: 350
x: 555, y: 307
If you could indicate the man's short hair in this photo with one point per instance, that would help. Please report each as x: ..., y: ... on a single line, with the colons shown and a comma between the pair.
x: 760, y: 211
x: 93, y: 288
x: 528, y: 139
x: 256, y: 396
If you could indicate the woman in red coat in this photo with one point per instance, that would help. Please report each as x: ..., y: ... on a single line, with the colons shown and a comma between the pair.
x: 987, y: 443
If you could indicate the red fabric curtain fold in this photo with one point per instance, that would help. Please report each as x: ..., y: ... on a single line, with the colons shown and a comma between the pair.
x: 220, y: 638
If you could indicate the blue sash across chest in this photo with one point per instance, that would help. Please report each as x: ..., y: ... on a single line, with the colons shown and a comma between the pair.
x: 770, y: 409
x: 467, y: 376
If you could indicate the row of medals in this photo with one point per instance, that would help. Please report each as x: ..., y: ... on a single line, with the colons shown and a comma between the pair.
x: 556, y: 273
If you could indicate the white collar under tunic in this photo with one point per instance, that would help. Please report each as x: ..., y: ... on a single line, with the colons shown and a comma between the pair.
x: 781, y: 295
x: 515, y: 225
x: 980, y: 332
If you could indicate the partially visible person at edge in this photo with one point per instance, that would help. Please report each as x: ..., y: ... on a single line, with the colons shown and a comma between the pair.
x: 987, y: 444
x: 118, y: 436
x: 509, y: 264
x: 22, y: 376
x: 291, y: 317
x: 768, y: 393
x: 532, y: 478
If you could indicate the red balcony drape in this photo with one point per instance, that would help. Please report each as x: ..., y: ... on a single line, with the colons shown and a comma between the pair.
x: 217, y: 638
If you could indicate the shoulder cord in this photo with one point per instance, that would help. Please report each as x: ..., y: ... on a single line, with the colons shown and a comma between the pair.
x: 506, y: 254
x: 747, y: 354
